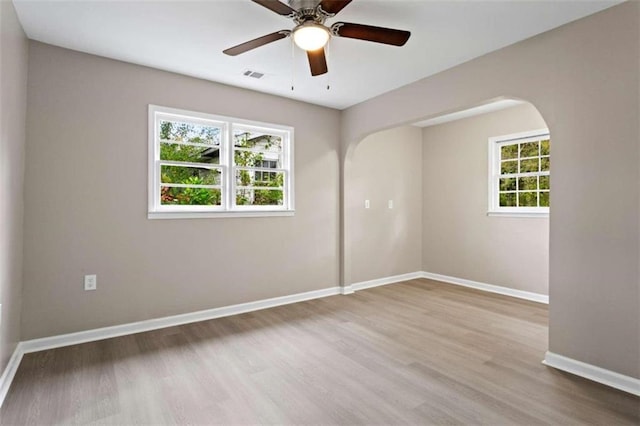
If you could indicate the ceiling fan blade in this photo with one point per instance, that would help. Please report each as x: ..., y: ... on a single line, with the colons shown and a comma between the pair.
x: 276, y: 6
x: 260, y: 41
x: 317, y: 61
x: 371, y: 33
x: 333, y: 6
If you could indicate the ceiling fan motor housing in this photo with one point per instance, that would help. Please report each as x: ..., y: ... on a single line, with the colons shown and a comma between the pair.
x: 303, y: 4
x: 313, y: 14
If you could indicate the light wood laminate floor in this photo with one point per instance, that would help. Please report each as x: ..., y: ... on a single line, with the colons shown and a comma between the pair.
x: 418, y: 352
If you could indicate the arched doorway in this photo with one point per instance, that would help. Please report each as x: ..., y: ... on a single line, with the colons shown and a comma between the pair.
x: 414, y: 205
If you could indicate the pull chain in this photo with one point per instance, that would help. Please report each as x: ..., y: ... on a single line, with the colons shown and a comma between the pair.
x: 293, y: 63
x: 328, y: 62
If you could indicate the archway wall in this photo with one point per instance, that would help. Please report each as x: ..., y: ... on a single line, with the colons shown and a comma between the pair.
x: 386, y: 167
x: 584, y: 79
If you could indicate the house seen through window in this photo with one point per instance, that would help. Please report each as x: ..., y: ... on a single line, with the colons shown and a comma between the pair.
x: 201, y: 163
x: 262, y: 176
x: 520, y: 173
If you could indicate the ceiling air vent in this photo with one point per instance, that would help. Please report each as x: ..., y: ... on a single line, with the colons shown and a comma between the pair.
x: 253, y: 74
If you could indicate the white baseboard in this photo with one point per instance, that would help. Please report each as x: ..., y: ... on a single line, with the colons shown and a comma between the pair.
x: 44, y: 343
x: 557, y: 361
x: 520, y: 294
x: 592, y: 372
x: 10, y: 371
x: 58, y: 341
x: 347, y: 289
x: 384, y: 281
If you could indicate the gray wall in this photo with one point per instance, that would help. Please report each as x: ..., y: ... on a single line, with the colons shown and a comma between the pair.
x: 13, y: 105
x: 459, y: 239
x: 584, y: 79
x: 387, y: 166
x: 86, y: 201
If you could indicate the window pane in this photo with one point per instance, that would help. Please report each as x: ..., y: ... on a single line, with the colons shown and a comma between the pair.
x: 528, y: 183
x: 529, y: 149
x: 544, y: 147
x: 192, y: 154
x: 190, y: 196
x: 269, y: 164
x: 528, y: 199
x: 507, y: 167
x: 262, y: 177
x: 190, y: 175
x: 188, y: 132
x: 258, y: 178
x: 509, y: 151
x: 530, y: 165
x: 508, y: 184
x: 508, y: 199
x: 247, y: 158
x: 544, y: 164
x: 258, y: 141
x: 259, y: 197
x: 544, y: 182
x: 544, y: 199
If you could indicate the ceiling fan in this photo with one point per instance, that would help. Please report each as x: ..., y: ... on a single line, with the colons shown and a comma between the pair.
x: 311, y: 34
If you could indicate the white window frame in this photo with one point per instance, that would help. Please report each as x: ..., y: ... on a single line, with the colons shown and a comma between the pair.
x: 228, y: 206
x: 495, y: 143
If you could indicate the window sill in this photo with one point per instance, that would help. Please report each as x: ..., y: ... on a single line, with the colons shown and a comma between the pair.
x: 214, y: 215
x: 519, y: 214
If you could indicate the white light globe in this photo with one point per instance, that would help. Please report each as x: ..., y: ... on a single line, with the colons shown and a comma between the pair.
x: 310, y: 36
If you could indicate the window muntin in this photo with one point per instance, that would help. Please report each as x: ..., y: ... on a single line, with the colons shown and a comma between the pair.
x: 217, y: 166
x: 519, y: 173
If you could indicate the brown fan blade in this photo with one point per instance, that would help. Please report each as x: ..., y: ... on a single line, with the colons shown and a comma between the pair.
x: 371, y: 33
x: 317, y: 62
x: 333, y: 6
x: 260, y: 41
x: 276, y: 6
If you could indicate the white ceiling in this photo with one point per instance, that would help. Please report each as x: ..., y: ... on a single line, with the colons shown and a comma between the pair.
x: 188, y: 37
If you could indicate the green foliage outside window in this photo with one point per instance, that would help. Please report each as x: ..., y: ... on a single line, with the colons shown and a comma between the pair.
x: 261, y: 197
x: 191, y: 195
x: 528, y: 158
x: 191, y: 133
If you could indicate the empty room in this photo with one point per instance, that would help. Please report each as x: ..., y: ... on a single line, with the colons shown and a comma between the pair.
x: 320, y: 212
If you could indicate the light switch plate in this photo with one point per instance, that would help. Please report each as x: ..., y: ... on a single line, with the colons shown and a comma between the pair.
x: 90, y: 282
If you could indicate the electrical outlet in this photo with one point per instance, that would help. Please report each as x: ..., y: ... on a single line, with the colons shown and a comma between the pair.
x: 367, y: 204
x: 90, y: 282
x: 390, y: 204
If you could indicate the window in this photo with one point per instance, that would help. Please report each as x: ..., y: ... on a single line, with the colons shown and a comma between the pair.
x: 519, y: 174
x: 202, y: 165
x: 266, y: 176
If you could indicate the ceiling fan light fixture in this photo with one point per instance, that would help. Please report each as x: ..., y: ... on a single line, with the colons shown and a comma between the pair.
x: 311, y: 36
